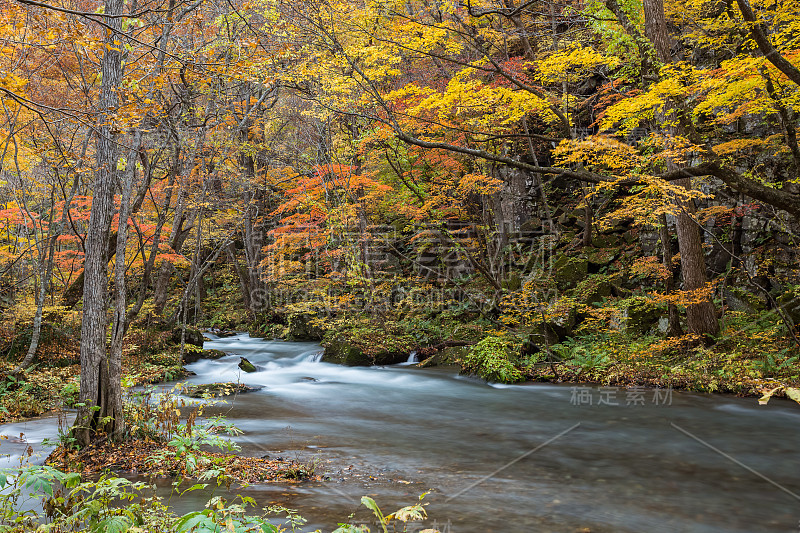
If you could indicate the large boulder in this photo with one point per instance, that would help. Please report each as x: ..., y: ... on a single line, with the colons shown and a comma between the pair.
x: 562, y: 318
x: 342, y: 352
x: 194, y: 356
x: 594, y: 289
x: 449, y: 355
x: 302, y: 328
x: 192, y: 336
x: 605, y: 241
x: 739, y: 299
x: 569, y: 271
x: 600, y: 257
x: 640, y: 314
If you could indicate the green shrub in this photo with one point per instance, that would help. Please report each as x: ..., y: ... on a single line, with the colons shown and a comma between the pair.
x: 587, y: 356
x: 493, y: 360
x: 69, y: 393
x: 110, y: 503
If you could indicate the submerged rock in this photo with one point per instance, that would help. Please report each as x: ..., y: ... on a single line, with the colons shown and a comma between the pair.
x: 247, y: 366
x: 222, y: 333
x: 218, y: 389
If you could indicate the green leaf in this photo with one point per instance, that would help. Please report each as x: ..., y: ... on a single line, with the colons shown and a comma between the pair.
x: 114, y: 524
x: 71, y: 480
x: 196, y: 486
x: 370, y: 504
x: 192, y: 520
x: 38, y: 484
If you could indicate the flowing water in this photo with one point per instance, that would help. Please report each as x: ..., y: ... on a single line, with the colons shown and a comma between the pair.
x: 526, y: 458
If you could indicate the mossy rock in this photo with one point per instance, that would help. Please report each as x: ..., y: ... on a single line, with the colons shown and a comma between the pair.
x: 562, y: 319
x: 301, y: 328
x: 193, y: 336
x: 217, y: 389
x: 640, y: 314
x: 569, y: 271
x: 222, y: 333
x: 605, y: 241
x: 556, y: 330
x: 247, y: 366
x: 341, y: 352
x: 364, y: 342
x: 594, y: 289
x: 450, y: 355
x: 601, y: 257
x: 739, y: 299
x: 192, y: 357
x: 790, y: 305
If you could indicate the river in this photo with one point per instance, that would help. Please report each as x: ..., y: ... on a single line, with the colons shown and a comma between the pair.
x: 527, y: 458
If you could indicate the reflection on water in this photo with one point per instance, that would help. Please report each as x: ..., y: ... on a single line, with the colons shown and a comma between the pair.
x: 624, y: 468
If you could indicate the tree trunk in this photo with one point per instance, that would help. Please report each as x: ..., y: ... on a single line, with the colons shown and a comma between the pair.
x: 73, y: 294
x: 46, y: 273
x: 45, y: 268
x: 241, y: 272
x: 674, y: 325
x: 177, y: 237
x: 100, y: 381
x: 119, y: 325
x: 701, y: 318
x: 253, y: 237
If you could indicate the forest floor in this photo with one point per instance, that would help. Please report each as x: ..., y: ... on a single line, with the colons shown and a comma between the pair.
x: 150, y: 458
x: 43, y: 388
x: 736, y: 364
x: 53, y: 381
